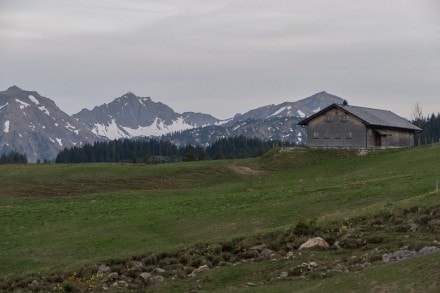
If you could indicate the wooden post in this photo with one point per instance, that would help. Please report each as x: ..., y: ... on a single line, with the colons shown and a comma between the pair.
x: 436, y: 188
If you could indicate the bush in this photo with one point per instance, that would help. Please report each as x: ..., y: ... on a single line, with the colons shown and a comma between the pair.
x: 305, y: 227
x: 227, y: 246
x: 67, y: 287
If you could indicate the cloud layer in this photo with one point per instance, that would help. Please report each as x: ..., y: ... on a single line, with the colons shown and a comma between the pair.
x: 223, y: 57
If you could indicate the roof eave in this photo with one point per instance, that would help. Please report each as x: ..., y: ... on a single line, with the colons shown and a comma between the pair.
x: 417, y: 129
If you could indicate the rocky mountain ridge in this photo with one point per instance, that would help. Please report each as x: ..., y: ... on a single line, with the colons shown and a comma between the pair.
x: 272, y: 122
x: 34, y: 125
x: 300, y: 109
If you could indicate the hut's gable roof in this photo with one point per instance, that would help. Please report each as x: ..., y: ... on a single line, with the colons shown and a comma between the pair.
x: 371, y: 117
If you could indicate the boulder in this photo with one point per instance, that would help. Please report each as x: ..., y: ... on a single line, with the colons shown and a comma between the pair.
x: 284, y: 275
x: 199, y: 270
x: 145, y: 276
x: 289, y: 255
x: 159, y: 271
x: 135, y: 264
x: 111, y: 277
x: 315, y: 243
x: 34, y: 285
x: 413, y: 226
x: 262, y: 250
x: 428, y: 250
x: 102, y: 269
x: 403, y: 253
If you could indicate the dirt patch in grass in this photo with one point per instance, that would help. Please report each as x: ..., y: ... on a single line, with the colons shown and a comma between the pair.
x: 243, y: 170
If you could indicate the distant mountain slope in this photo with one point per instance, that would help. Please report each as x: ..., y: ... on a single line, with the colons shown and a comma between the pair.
x: 34, y: 125
x: 276, y: 122
x: 301, y: 108
x: 132, y: 116
x: 278, y: 128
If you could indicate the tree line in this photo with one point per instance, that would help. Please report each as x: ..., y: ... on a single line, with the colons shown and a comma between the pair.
x: 13, y: 158
x: 430, y: 128
x: 160, y: 151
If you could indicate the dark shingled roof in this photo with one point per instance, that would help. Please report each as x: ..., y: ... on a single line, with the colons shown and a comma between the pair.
x: 371, y: 117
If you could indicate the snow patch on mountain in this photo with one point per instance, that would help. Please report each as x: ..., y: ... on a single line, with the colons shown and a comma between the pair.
x: 109, y: 130
x: 6, y: 128
x: 72, y: 128
x: 32, y: 126
x: 238, y: 126
x: 4, y: 106
x: 158, y: 127
x: 43, y: 109
x: 23, y: 105
x: 280, y: 110
x: 222, y: 122
x: 34, y: 100
x: 301, y: 114
x: 59, y: 141
x: 114, y: 131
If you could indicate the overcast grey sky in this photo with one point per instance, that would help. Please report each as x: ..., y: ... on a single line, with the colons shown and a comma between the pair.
x: 223, y: 57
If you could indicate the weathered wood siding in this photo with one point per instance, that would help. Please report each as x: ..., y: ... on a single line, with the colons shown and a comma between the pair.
x: 394, y: 138
x: 336, y: 129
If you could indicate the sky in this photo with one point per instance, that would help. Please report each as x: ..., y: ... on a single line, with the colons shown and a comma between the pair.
x: 223, y: 57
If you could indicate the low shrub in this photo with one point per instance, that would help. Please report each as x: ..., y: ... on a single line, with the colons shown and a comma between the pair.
x: 305, y: 227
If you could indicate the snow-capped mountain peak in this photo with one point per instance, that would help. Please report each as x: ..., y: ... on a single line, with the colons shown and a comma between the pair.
x: 133, y: 116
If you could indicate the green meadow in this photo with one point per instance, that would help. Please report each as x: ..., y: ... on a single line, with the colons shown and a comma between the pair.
x: 59, y: 218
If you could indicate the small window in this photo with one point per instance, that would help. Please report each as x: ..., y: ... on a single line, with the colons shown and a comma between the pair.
x: 349, y: 135
x: 343, y: 118
x: 315, y: 134
x: 328, y: 118
x: 326, y: 135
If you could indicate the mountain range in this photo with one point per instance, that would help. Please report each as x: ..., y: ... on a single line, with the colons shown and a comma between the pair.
x: 34, y: 125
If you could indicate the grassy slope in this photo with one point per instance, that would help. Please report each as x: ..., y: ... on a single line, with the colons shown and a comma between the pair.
x: 108, y: 211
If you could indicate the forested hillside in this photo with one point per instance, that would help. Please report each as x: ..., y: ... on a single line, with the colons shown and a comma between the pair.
x: 160, y: 151
x: 430, y: 128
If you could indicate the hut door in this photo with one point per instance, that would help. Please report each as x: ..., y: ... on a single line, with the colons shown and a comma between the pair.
x: 378, y: 140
